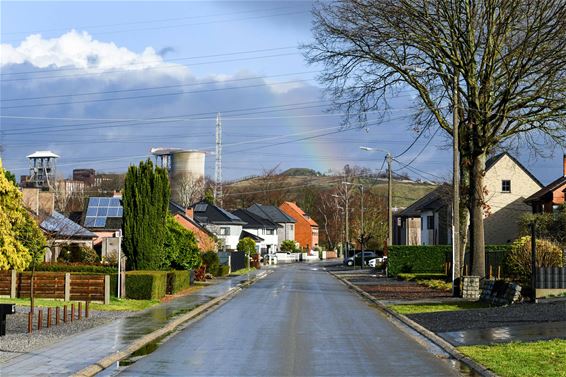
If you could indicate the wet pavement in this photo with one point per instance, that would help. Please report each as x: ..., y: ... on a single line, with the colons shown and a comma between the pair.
x: 517, y: 333
x: 72, y: 355
x: 298, y: 321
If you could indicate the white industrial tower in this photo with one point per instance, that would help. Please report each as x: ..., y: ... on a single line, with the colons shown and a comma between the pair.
x: 218, y: 166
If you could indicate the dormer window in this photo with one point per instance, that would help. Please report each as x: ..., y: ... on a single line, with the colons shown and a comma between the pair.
x: 506, y: 185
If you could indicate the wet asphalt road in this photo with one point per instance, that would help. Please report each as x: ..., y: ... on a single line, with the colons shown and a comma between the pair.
x: 295, y: 322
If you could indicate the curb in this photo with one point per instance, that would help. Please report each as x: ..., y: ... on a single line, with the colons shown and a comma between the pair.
x: 107, y: 361
x: 443, y: 344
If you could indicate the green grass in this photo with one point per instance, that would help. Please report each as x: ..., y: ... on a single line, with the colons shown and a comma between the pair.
x: 242, y: 271
x: 115, y: 304
x: 431, y: 308
x: 539, y: 359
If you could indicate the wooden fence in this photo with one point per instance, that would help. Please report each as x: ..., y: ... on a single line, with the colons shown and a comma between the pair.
x: 60, y: 285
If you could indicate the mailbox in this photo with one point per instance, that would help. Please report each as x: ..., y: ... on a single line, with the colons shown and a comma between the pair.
x: 5, y: 309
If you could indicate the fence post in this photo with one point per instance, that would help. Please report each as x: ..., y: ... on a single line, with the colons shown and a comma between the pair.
x: 13, y: 284
x: 106, y: 289
x: 67, y: 286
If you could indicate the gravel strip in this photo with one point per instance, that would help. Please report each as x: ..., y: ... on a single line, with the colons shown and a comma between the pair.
x: 518, y: 314
x: 17, y: 341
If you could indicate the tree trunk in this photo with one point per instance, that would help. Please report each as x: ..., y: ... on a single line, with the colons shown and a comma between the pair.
x: 477, y: 240
x: 464, y: 216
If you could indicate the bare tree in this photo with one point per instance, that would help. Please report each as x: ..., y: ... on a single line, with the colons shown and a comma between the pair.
x: 189, y: 189
x: 505, y: 60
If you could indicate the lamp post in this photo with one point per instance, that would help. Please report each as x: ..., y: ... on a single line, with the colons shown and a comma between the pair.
x: 456, y: 257
x: 119, y: 235
x: 346, y: 223
x: 389, y: 192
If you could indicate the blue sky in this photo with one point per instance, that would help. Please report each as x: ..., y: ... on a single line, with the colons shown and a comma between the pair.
x: 92, y: 77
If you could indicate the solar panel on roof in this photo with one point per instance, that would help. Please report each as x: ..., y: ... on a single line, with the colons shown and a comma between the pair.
x: 93, y: 202
x: 100, y: 222
x: 91, y: 211
x: 89, y: 221
x: 115, y: 202
x: 113, y: 212
x: 104, y: 202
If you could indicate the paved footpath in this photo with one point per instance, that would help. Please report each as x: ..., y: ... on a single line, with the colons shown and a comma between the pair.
x: 74, y: 354
x: 298, y: 321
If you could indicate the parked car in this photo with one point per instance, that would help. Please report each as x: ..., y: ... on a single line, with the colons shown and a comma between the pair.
x: 378, y: 262
x: 368, y: 255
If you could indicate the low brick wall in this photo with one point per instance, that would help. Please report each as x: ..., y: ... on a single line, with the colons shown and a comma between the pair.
x: 332, y: 254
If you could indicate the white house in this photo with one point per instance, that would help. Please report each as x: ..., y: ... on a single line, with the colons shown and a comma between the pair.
x: 264, y: 229
x: 224, y: 225
x: 285, y: 223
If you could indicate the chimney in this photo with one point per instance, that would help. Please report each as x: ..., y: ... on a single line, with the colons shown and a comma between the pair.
x: 564, y: 163
x: 189, y: 213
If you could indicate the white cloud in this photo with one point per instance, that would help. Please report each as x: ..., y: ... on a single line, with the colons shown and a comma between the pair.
x: 80, y: 50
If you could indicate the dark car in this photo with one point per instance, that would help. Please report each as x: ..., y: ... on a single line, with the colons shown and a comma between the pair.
x: 358, y: 258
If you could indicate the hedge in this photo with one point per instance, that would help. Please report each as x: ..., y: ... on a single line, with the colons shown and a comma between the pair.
x: 404, y: 258
x: 431, y: 258
x: 146, y: 285
x: 422, y: 276
x: 76, y: 267
x: 178, y: 280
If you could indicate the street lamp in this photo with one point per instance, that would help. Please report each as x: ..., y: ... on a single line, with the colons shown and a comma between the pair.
x: 456, y: 260
x: 389, y: 192
x: 346, y: 200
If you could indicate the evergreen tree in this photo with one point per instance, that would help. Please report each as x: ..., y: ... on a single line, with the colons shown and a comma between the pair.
x: 20, y: 237
x: 146, y: 205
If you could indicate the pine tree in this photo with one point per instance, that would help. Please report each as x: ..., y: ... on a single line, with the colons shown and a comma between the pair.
x: 146, y: 205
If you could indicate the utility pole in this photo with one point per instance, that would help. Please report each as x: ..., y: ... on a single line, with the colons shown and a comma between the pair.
x: 346, y: 200
x: 218, y: 165
x: 456, y: 257
x: 389, y: 200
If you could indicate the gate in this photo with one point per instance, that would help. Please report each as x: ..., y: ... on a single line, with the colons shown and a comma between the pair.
x: 238, y: 260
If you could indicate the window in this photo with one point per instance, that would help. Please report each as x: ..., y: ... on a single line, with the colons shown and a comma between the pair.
x: 291, y: 227
x: 505, y: 185
x: 224, y: 231
x: 270, y: 231
x: 430, y: 222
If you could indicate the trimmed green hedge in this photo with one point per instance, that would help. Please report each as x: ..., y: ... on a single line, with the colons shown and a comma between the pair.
x: 178, y: 280
x: 76, y: 267
x: 422, y: 276
x: 146, y: 285
x: 417, y: 259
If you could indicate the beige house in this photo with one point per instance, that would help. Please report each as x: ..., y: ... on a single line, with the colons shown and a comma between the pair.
x: 507, y: 183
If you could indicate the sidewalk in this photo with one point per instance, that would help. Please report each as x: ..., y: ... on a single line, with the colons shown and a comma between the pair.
x: 72, y: 355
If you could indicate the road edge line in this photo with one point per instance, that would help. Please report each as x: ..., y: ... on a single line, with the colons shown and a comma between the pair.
x: 431, y: 336
x: 107, y: 361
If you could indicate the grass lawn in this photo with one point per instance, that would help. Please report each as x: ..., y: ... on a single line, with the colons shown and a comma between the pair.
x: 115, y: 304
x: 431, y: 308
x: 243, y: 271
x: 539, y: 359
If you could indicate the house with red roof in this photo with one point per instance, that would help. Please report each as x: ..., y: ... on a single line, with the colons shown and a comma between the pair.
x: 306, y: 229
x: 551, y: 196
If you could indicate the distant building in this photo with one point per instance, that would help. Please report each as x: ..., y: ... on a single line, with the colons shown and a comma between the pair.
x: 205, y: 238
x: 263, y: 228
x: 286, y: 224
x: 84, y: 175
x: 306, y: 229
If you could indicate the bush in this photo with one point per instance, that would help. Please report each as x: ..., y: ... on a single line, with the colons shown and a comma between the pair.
x: 77, y: 253
x: 418, y: 259
x: 247, y: 245
x: 76, y: 267
x: 178, y: 281
x: 181, y: 249
x: 518, y: 260
x: 289, y: 245
x: 422, y: 276
x: 211, y: 260
x: 146, y: 285
x: 223, y: 270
